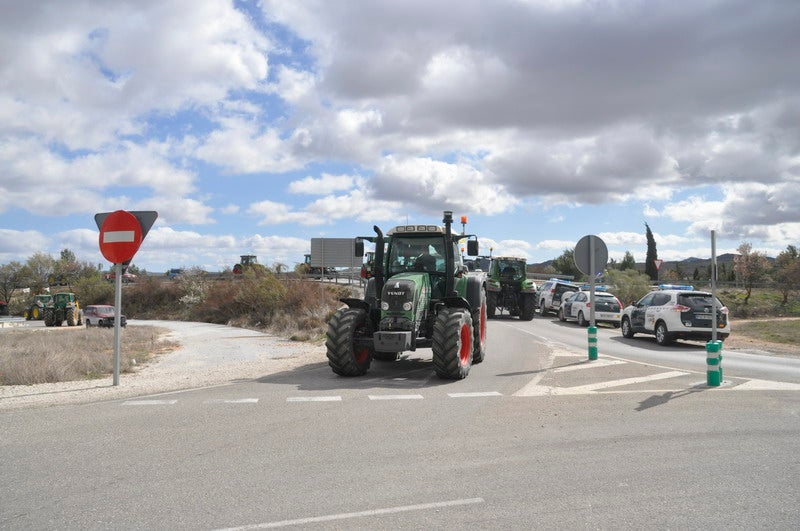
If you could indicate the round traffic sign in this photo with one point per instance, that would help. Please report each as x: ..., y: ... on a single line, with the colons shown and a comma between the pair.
x: 590, y: 249
x: 120, y: 236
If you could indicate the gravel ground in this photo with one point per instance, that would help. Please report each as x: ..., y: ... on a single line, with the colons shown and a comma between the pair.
x: 209, y: 355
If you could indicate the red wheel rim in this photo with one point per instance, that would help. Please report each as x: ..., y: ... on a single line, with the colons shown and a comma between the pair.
x: 361, y: 354
x: 466, y: 345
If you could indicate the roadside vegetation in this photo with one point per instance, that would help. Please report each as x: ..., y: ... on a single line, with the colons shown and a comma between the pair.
x: 57, y: 355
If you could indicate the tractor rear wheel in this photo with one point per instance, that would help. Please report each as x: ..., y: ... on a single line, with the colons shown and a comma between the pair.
x: 491, y: 305
x: 479, y: 316
x: 345, y: 357
x: 528, y: 308
x: 70, y: 316
x: 49, y: 317
x: 452, y: 343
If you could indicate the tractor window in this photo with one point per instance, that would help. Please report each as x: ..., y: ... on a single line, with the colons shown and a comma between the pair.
x: 416, y: 254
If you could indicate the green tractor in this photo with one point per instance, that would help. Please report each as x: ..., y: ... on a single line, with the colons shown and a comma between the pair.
x: 63, y: 307
x: 246, y: 261
x: 420, y: 295
x: 510, y: 289
x: 35, y: 311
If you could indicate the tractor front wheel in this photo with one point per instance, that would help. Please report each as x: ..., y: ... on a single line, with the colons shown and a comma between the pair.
x: 49, y: 317
x: 345, y: 357
x: 452, y: 343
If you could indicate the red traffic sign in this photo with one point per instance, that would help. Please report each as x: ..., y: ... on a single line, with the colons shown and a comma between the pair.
x: 120, y: 236
x: 658, y: 263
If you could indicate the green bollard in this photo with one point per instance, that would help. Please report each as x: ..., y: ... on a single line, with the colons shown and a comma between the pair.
x: 592, y: 342
x: 713, y: 365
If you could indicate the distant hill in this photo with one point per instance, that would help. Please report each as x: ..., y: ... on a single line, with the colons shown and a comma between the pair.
x: 687, y: 266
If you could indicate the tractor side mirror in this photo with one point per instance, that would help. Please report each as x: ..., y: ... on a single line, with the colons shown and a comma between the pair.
x: 359, y: 247
x: 472, y: 247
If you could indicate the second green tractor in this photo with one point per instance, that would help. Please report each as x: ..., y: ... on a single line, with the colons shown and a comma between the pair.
x: 509, y: 289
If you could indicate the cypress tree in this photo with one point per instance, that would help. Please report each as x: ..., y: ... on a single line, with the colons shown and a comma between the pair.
x: 652, y: 255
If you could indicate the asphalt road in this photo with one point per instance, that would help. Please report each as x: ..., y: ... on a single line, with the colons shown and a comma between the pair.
x: 535, y: 437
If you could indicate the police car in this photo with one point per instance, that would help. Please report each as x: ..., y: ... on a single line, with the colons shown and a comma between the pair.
x: 675, y: 312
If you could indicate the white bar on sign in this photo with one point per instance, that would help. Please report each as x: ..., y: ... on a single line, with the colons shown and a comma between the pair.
x: 118, y: 236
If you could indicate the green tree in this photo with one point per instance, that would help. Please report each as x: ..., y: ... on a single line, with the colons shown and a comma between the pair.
x: 650, y: 268
x: 629, y: 285
x: 38, y: 270
x: 12, y: 277
x: 565, y: 264
x: 750, y: 267
x: 787, y: 271
x: 627, y: 262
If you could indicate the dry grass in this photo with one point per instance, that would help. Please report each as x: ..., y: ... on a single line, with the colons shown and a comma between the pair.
x: 66, y: 354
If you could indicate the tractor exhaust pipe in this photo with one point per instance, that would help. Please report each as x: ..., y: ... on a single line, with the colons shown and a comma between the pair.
x: 449, y: 259
x: 377, y: 270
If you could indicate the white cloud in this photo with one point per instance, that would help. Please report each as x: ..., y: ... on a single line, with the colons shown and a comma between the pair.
x: 323, y: 185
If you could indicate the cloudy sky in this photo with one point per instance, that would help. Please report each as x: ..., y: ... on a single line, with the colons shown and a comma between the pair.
x: 251, y: 127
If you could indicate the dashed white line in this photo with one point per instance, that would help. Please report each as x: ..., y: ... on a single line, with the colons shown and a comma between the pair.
x: 232, y: 401
x: 314, y: 399
x: 149, y: 402
x: 359, y: 514
x: 396, y: 397
x: 469, y: 395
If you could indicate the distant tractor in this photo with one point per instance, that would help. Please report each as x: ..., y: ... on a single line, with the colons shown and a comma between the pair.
x: 245, y: 261
x: 317, y: 271
x: 510, y: 289
x: 63, y: 307
x: 368, y: 267
x: 35, y: 311
x: 420, y: 295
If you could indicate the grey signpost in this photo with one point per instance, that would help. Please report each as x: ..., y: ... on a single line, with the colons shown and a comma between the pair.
x: 121, y: 233
x: 591, y: 258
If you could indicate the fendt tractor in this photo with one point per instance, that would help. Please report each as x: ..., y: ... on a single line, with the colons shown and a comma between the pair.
x: 63, y: 307
x: 509, y: 288
x: 420, y: 295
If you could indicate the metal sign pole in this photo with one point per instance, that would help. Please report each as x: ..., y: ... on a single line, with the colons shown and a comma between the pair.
x: 713, y: 286
x: 117, y: 318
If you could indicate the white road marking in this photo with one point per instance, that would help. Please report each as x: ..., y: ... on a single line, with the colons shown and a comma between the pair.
x: 149, y: 402
x: 359, y: 514
x: 589, y: 365
x: 396, y: 397
x: 619, y: 383
x: 766, y: 385
x: 314, y: 399
x: 232, y: 401
x: 469, y: 395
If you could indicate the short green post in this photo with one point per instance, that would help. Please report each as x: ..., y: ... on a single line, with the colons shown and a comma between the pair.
x: 592, y: 342
x: 714, y: 363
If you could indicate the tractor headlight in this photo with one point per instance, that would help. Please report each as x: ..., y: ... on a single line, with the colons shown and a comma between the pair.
x: 384, y: 305
x: 406, y: 306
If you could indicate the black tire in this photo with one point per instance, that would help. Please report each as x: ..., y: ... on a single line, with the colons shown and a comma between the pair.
x: 627, y: 329
x: 582, y: 320
x: 542, y: 309
x: 663, y: 337
x: 70, y: 316
x: 561, y: 316
x: 491, y: 305
x: 49, y: 317
x: 344, y: 357
x: 27, y: 315
x: 528, y: 309
x: 479, y: 316
x: 452, y: 343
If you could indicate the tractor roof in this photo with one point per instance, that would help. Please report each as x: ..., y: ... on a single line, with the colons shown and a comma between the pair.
x: 416, y: 229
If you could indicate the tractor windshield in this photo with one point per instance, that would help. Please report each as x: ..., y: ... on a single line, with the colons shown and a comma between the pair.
x: 421, y: 254
x: 511, y: 268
